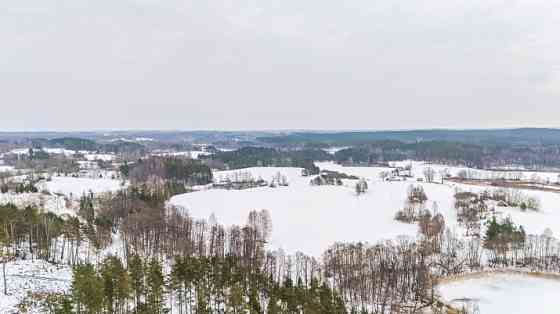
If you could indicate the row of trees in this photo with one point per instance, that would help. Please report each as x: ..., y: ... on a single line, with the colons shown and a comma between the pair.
x: 379, y: 152
x: 383, y: 278
x: 472, y: 208
x: 27, y: 230
x: 193, y: 285
x: 171, y: 169
x: 270, y: 157
x: 512, y: 198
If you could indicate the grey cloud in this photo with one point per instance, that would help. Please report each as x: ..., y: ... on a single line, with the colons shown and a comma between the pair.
x: 247, y: 64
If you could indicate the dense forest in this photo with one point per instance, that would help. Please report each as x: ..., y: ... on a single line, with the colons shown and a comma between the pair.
x: 531, y: 148
x: 270, y: 157
x: 155, y: 169
x: 380, y: 152
x: 514, y: 137
x: 470, y: 155
x: 72, y: 143
x: 83, y: 144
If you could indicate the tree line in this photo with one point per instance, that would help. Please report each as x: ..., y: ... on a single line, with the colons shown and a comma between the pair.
x: 270, y: 157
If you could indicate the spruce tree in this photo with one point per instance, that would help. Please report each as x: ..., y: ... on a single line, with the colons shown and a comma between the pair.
x: 136, y: 274
x: 155, y: 282
x: 87, y: 289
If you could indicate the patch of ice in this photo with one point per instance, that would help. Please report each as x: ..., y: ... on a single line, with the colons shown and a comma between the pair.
x: 505, y: 294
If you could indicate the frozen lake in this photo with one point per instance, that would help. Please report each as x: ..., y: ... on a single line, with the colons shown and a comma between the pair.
x: 505, y: 294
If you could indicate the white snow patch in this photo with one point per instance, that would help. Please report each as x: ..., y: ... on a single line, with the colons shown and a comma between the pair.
x: 6, y: 168
x: 193, y: 154
x: 50, y: 203
x: 21, y: 151
x: 103, y: 157
x: 307, y: 218
x: 311, y: 218
x: 26, y: 276
x: 76, y: 187
x: 333, y: 150
x: 505, y: 294
x: 59, y: 151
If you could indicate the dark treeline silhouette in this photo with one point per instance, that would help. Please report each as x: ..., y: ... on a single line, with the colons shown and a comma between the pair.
x: 530, y: 148
x: 384, y: 151
x: 270, y: 157
x: 489, y: 136
x: 157, y: 170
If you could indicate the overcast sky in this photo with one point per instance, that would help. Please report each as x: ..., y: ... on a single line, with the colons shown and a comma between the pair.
x: 278, y: 64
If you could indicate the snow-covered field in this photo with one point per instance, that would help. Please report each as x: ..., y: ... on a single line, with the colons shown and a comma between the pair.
x: 311, y: 218
x: 505, y: 294
x: 103, y: 157
x: 193, y: 154
x: 59, y: 151
x: 534, y: 222
x: 86, y: 164
x: 419, y: 166
x: 25, y: 277
x: 333, y: 150
x: 76, y: 187
x: 6, y: 168
x: 51, y: 203
x: 307, y: 218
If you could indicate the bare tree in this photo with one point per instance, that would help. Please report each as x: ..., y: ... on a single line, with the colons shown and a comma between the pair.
x: 429, y: 174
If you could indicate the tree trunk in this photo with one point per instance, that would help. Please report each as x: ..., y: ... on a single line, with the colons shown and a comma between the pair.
x: 4, y: 275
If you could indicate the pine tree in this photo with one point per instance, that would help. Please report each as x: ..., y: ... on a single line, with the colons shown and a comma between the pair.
x: 273, y: 307
x: 254, y: 304
x: 235, y: 299
x: 136, y: 274
x: 115, y: 280
x: 155, y: 282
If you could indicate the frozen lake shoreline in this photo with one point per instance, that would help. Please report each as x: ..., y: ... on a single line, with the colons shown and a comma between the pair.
x: 492, y: 292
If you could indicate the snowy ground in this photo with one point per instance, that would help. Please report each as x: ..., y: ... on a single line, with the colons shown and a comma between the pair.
x: 76, y: 187
x: 505, y: 294
x: 419, y: 166
x: 311, y: 218
x: 193, y: 154
x: 59, y: 151
x: 24, y: 277
x: 104, y: 157
x: 51, y: 203
x: 534, y: 222
x: 307, y: 218
x: 333, y: 150
x: 85, y: 164
x: 6, y: 168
